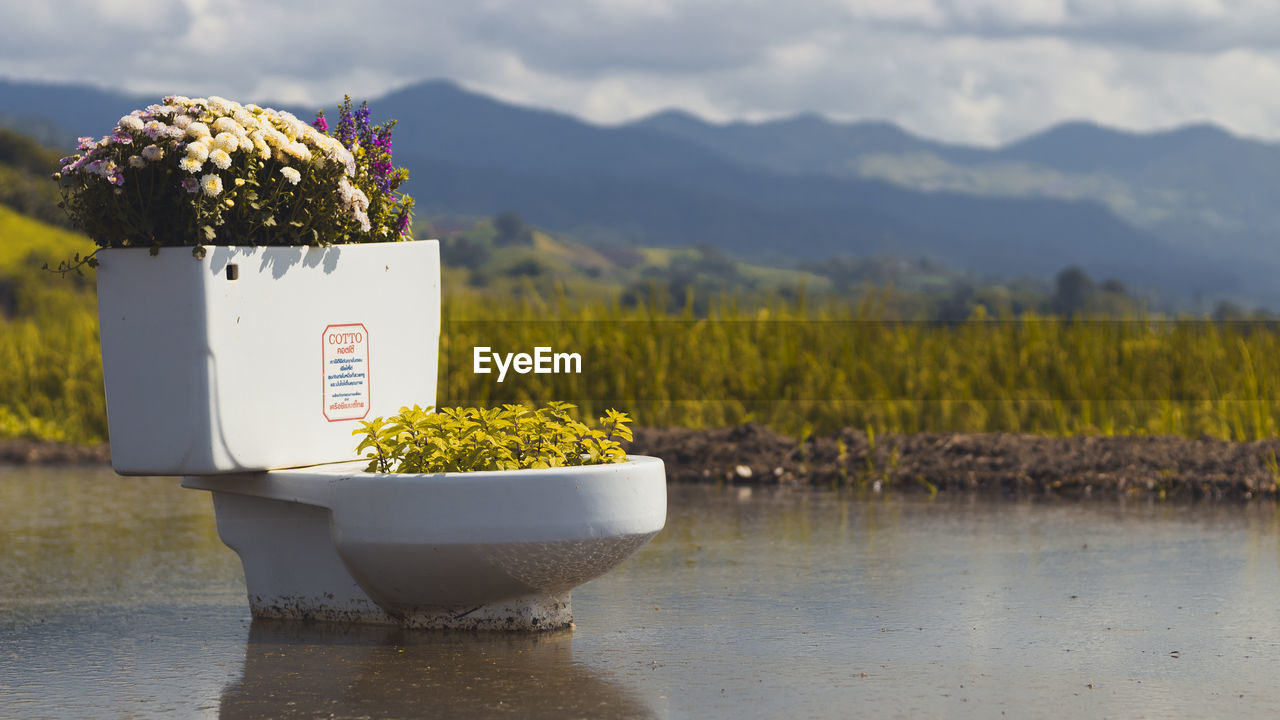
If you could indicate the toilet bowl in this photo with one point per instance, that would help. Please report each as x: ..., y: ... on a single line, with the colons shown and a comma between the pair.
x: 478, y: 550
x: 230, y: 367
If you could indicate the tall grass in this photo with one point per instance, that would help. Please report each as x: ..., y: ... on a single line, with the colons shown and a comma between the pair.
x: 792, y: 368
x: 785, y: 365
x: 51, y: 373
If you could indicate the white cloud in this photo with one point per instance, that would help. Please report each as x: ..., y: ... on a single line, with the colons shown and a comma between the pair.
x: 967, y: 70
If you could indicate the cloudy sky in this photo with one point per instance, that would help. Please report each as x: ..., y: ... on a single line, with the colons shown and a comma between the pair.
x: 977, y: 71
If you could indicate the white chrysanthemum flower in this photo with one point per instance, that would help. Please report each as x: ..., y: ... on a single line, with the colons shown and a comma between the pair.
x: 226, y: 141
x: 198, y: 130
x: 190, y: 164
x: 132, y: 123
x: 260, y: 144
x: 336, y: 152
x: 363, y: 219
x: 345, y: 192
x: 153, y: 152
x: 174, y: 133
x: 211, y: 185
x: 220, y: 158
x: 219, y: 105
x: 245, y: 118
x: 275, y: 138
x: 154, y: 129
x: 198, y: 150
x: 293, y: 176
x: 225, y: 125
x: 285, y: 126
x: 360, y: 199
x: 137, y: 162
x: 182, y: 122
x: 298, y: 150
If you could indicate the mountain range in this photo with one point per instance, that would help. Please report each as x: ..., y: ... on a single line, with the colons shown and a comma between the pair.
x: 1186, y: 212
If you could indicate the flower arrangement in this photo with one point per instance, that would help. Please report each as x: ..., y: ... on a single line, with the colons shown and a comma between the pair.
x: 512, y: 437
x: 197, y: 171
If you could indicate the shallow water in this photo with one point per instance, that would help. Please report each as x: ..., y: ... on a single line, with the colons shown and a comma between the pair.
x: 117, y: 599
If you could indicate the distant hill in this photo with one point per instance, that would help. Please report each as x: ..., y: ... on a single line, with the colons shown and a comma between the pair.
x: 24, y: 178
x: 476, y: 155
x: 804, y: 144
x: 806, y: 189
x: 1200, y: 191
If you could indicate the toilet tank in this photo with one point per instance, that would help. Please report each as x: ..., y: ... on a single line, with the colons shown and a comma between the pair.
x: 260, y: 358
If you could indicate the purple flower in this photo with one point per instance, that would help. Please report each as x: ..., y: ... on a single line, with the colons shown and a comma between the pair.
x: 381, y: 172
x: 190, y: 184
x: 85, y: 143
x: 320, y: 123
x: 346, y: 132
x: 362, y: 119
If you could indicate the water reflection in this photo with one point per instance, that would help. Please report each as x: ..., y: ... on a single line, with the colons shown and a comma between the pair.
x: 89, y: 535
x: 319, y: 670
x: 117, y: 599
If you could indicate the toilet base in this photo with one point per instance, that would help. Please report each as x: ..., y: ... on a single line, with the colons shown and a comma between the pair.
x: 531, y: 612
x: 293, y: 572
x: 461, y: 551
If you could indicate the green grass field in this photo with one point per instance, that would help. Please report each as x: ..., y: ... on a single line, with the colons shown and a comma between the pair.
x: 50, y: 369
x: 796, y: 369
x: 26, y: 242
x: 782, y: 363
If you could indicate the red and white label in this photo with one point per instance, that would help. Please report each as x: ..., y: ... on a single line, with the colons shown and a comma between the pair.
x: 345, y: 349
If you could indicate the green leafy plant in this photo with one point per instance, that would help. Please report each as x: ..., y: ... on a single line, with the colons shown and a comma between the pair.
x: 511, y: 437
x: 209, y: 171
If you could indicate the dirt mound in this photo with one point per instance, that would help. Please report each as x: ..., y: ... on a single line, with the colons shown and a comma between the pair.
x: 1004, y: 463
x: 996, y: 462
x: 41, y: 452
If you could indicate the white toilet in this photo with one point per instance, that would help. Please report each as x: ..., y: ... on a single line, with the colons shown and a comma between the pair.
x: 228, y: 368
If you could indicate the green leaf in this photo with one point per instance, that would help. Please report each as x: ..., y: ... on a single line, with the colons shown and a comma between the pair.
x: 509, y: 437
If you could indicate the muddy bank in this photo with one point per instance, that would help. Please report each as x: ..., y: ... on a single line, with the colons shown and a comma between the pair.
x: 42, y: 452
x: 1003, y: 463
x: 1159, y: 466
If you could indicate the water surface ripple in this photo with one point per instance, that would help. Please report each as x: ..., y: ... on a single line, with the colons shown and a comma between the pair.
x: 117, y: 599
